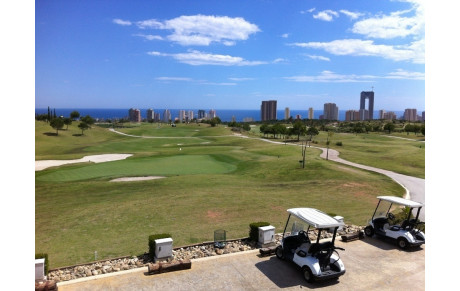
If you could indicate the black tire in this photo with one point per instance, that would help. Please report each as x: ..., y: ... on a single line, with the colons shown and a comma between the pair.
x: 279, y: 252
x: 403, y: 243
x: 308, y: 275
x: 369, y: 231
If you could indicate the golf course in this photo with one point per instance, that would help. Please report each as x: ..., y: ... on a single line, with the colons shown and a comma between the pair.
x: 211, y: 178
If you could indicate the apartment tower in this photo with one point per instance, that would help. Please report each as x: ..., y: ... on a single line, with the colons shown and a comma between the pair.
x: 362, y: 106
x: 268, y: 110
x: 331, y: 111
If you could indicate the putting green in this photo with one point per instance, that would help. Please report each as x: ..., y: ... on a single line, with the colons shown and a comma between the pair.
x: 173, y: 165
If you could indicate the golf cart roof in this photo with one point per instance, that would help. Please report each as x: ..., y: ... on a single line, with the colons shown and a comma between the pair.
x: 402, y: 201
x: 315, y: 217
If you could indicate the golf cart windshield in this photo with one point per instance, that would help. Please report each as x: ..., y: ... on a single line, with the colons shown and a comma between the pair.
x: 295, y: 225
x: 397, y: 206
x: 383, y: 208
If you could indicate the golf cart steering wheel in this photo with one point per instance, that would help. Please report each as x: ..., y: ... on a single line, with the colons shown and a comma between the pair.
x: 391, y: 216
x: 304, y: 234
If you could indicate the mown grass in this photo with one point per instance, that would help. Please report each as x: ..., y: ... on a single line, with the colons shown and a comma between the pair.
x: 213, y: 182
x: 380, y: 151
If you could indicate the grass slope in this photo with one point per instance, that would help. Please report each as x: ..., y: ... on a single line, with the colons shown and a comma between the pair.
x: 213, y: 183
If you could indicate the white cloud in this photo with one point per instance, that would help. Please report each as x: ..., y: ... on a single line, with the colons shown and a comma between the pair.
x: 309, y: 11
x: 122, y: 22
x: 352, y: 15
x: 241, y: 79
x: 320, y: 58
x: 150, y: 23
x: 402, y: 74
x: 279, y: 60
x: 197, y: 58
x: 395, y: 24
x: 331, y: 77
x: 203, y: 30
x: 326, y: 15
x: 149, y: 36
x: 286, y: 35
x: 184, y: 79
x: 357, y: 47
x: 220, y: 84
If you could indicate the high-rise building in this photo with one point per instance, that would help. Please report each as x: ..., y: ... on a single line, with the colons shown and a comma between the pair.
x: 370, y: 96
x: 150, y: 114
x: 298, y: 117
x: 423, y: 116
x: 364, y: 114
x: 181, y: 116
x: 331, y: 111
x: 166, y: 116
x: 310, y: 113
x: 201, y: 114
x: 287, y: 113
x: 381, y: 114
x: 190, y: 115
x: 351, y: 115
x: 212, y: 113
x: 268, y: 110
x: 389, y: 115
x: 410, y: 114
x: 134, y: 115
x: 157, y: 116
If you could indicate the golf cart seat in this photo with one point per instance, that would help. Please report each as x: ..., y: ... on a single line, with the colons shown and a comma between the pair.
x: 380, y: 223
x: 316, y: 247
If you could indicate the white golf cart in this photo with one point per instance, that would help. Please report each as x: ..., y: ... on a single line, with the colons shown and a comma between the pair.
x: 318, y: 260
x: 383, y: 223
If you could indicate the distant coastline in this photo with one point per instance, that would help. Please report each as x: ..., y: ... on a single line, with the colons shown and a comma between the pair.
x: 225, y: 115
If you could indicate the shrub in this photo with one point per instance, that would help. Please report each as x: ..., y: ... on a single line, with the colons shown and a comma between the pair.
x: 43, y: 256
x: 339, y: 143
x: 152, y: 239
x: 254, y: 229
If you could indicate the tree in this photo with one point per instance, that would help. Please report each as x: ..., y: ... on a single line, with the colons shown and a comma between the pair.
x: 311, y: 131
x: 329, y: 137
x: 246, y: 127
x: 74, y: 114
x: 408, y: 128
x: 57, y: 123
x: 88, y: 120
x: 299, y: 129
x: 67, y: 121
x: 389, y: 126
x: 83, y: 126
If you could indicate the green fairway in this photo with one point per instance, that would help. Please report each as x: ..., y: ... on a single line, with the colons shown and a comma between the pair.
x: 174, y: 165
x: 213, y: 181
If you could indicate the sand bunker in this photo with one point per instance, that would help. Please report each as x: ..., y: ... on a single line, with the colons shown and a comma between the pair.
x: 41, y: 165
x: 128, y: 179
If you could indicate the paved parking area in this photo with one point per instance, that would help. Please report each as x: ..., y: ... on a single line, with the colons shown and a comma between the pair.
x: 371, y: 264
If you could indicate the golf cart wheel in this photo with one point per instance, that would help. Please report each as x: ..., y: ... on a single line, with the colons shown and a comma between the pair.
x: 402, y: 243
x: 307, y: 274
x: 369, y: 230
x: 279, y: 252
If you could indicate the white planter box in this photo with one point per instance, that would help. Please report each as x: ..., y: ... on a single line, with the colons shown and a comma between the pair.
x: 39, y: 269
x: 266, y: 234
x: 163, y: 248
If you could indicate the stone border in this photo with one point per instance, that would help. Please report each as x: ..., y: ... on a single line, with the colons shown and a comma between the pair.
x: 200, y: 251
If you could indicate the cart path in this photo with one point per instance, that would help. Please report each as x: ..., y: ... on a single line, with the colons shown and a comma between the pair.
x: 415, y: 187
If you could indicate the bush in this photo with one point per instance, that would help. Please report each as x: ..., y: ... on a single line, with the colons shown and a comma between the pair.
x: 43, y: 256
x: 254, y: 229
x: 339, y: 143
x: 152, y: 239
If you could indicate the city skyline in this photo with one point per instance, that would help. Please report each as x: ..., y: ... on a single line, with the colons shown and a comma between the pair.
x: 229, y: 56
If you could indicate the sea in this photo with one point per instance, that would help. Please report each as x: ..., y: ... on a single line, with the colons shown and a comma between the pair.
x: 225, y: 115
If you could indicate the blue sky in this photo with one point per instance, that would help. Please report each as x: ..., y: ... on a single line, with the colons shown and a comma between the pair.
x: 229, y: 54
